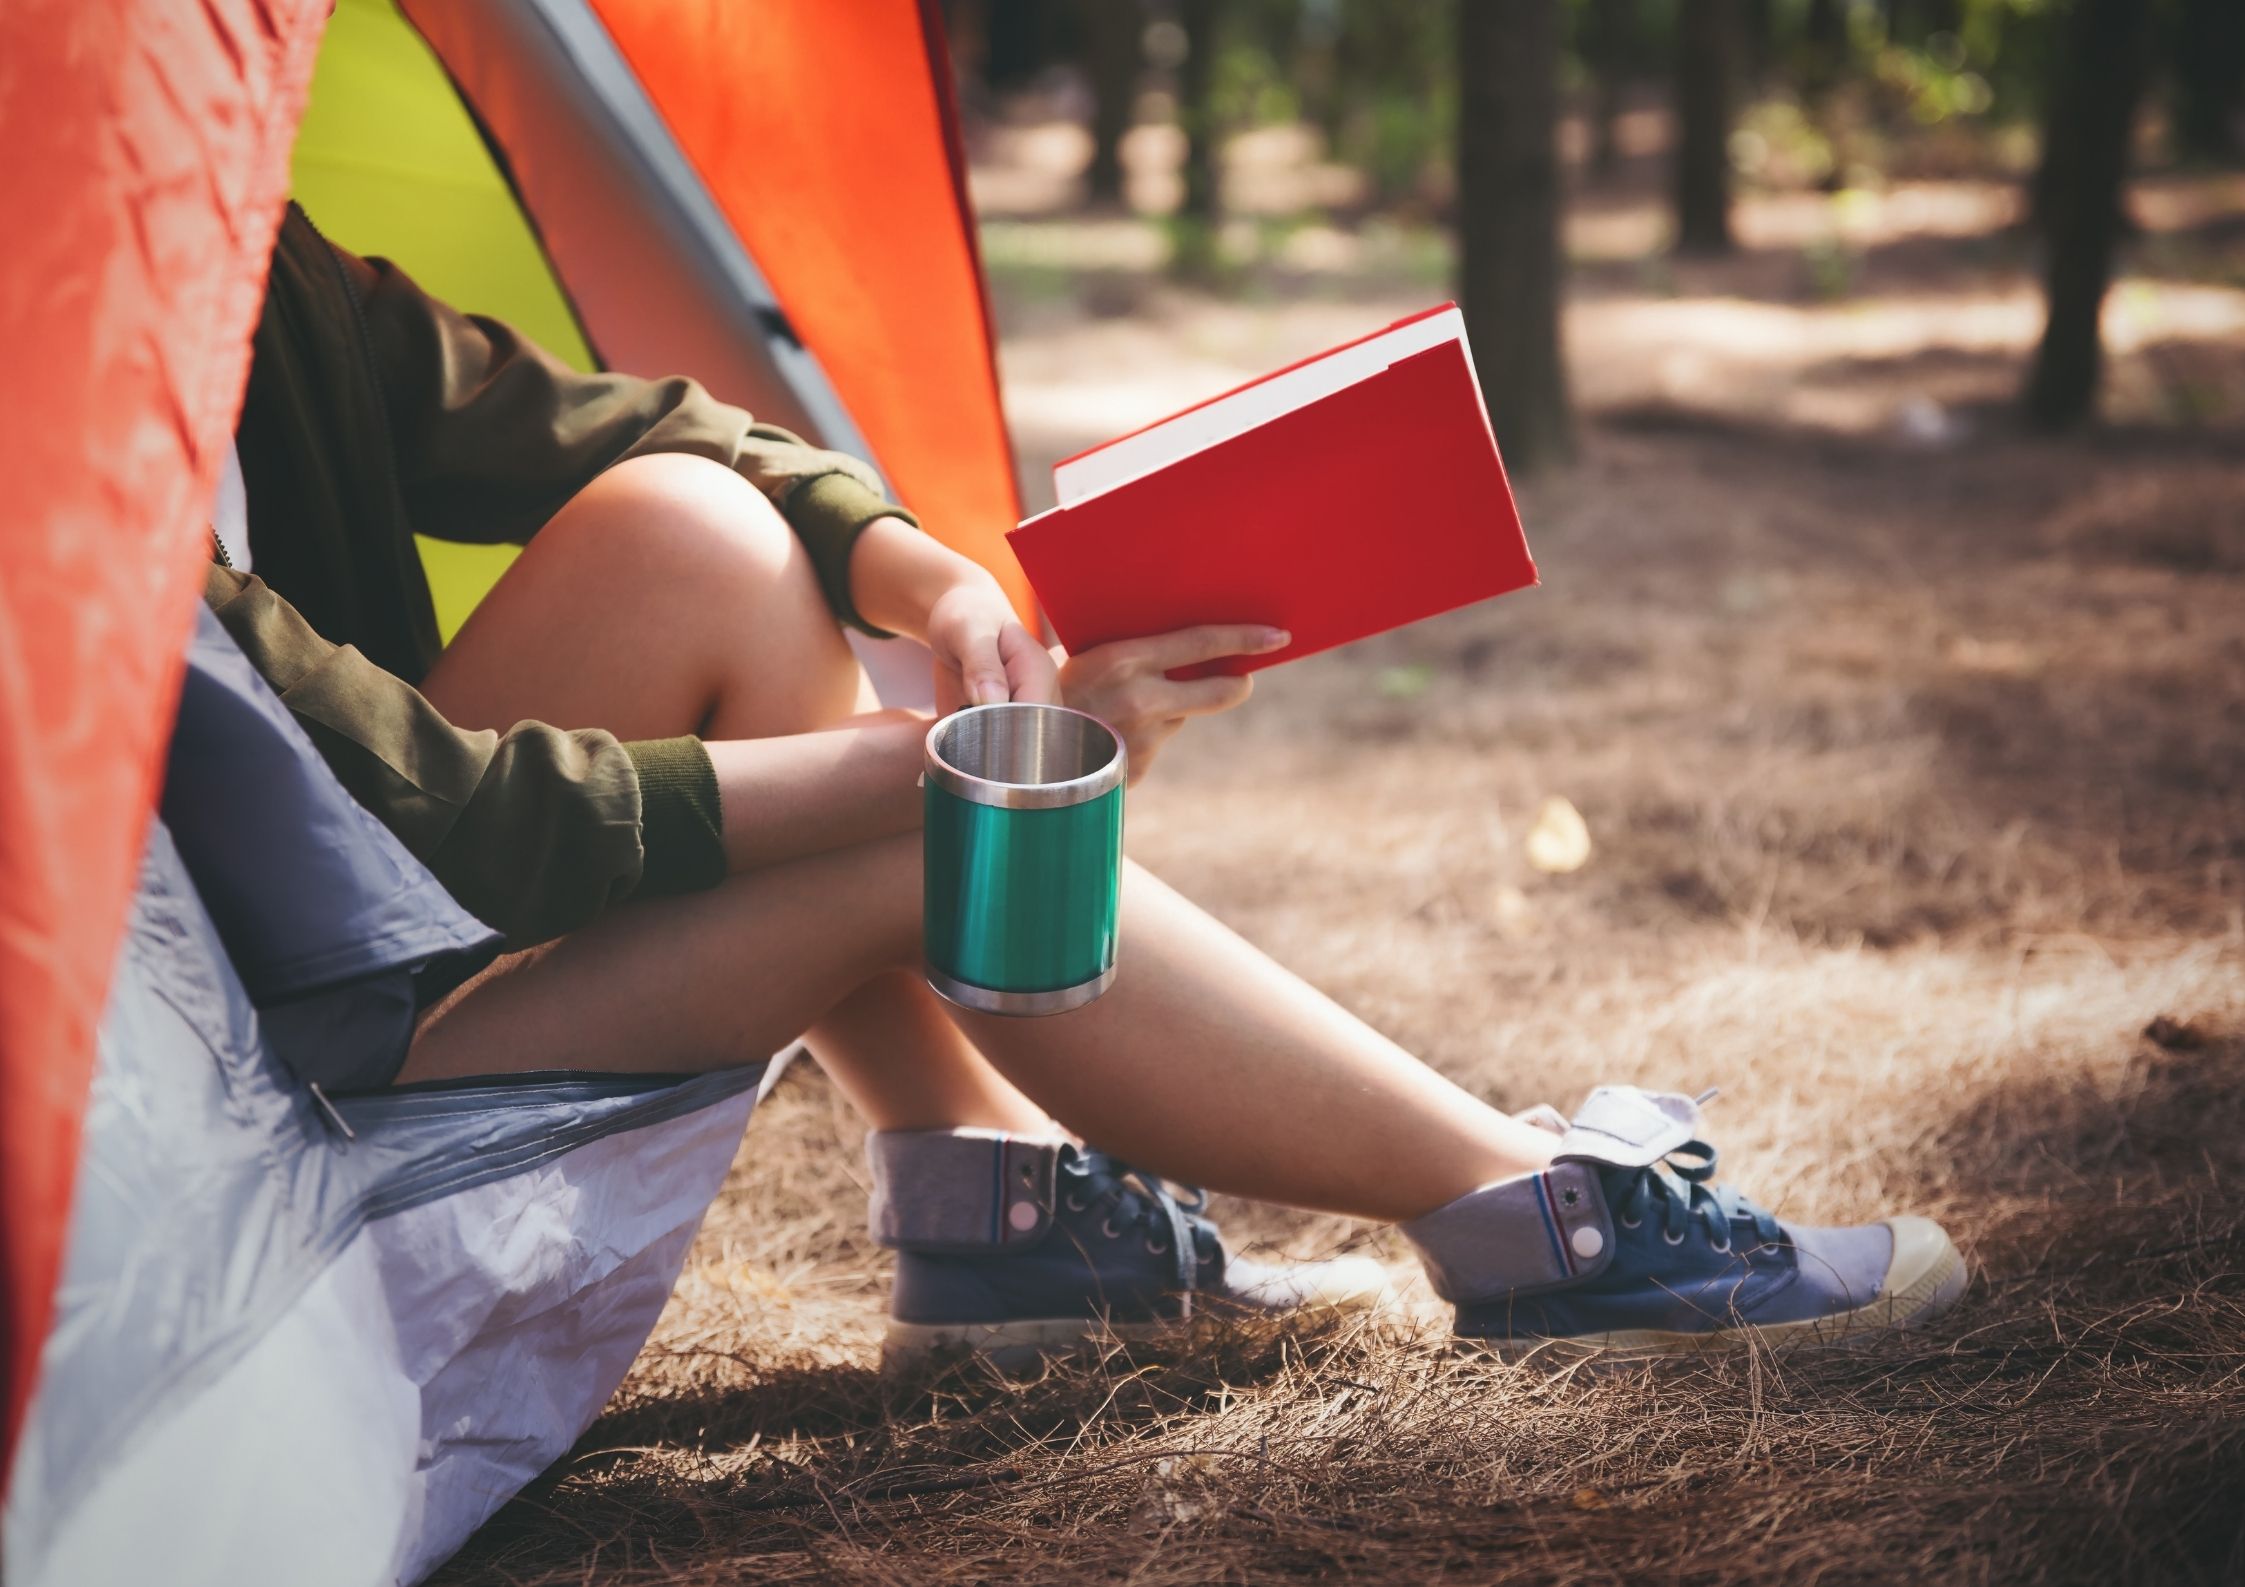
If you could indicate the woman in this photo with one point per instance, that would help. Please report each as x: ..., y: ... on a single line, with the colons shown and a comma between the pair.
x: 720, y: 855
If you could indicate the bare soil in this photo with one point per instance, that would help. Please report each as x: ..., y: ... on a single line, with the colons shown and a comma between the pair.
x: 1912, y: 752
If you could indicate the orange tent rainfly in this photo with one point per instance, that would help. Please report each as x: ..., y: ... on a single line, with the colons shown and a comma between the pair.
x: 148, y: 158
x: 256, y: 1330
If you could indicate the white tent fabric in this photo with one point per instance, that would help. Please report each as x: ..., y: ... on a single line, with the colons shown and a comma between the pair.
x: 303, y: 1339
x: 444, y: 1359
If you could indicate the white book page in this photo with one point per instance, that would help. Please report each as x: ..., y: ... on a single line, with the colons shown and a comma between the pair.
x: 1151, y: 450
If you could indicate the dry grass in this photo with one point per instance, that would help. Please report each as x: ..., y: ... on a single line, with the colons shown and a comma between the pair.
x: 1916, y: 775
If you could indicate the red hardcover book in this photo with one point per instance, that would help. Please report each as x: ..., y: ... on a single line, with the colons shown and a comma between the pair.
x: 1342, y: 496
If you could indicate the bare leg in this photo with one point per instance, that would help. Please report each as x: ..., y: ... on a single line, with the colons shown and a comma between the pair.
x: 895, y: 1052
x: 1203, y: 1032
x: 667, y: 597
x: 1200, y: 1033
x: 681, y: 548
x: 685, y: 549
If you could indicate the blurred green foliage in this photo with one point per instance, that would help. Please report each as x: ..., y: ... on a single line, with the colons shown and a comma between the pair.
x: 1406, y: 682
x: 1375, y: 77
x: 1831, y: 94
x: 1995, y: 63
x: 1372, y: 76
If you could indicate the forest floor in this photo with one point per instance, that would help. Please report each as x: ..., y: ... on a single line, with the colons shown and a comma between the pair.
x: 1912, y: 753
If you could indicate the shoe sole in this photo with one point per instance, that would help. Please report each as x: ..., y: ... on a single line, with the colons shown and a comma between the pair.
x: 1924, y: 1278
x: 1355, y: 1284
x: 1008, y: 1346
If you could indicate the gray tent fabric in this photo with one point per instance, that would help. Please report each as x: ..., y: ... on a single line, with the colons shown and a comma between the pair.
x: 659, y: 278
x: 308, y: 890
x: 323, y: 913
x: 302, y: 1348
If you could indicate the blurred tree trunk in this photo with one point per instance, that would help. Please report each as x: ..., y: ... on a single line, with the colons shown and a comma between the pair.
x: 1317, y: 71
x: 1019, y: 40
x: 1605, y: 123
x: 2209, y: 79
x: 1757, y: 39
x: 1608, y: 29
x: 1508, y: 222
x: 966, y: 29
x: 1200, y: 211
x: 2090, y: 124
x: 1706, y: 50
x: 1823, y: 47
x: 1196, y: 108
x: 1823, y: 59
x: 1915, y: 21
x: 1112, y: 44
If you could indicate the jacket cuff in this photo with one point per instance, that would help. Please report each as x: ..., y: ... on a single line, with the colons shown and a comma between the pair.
x: 828, y: 512
x: 681, y: 820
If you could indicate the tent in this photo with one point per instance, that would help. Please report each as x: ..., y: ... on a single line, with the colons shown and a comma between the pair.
x: 259, y: 1327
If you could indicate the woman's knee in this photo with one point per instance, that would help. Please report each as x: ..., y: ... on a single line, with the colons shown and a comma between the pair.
x: 741, y: 586
x: 690, y: 515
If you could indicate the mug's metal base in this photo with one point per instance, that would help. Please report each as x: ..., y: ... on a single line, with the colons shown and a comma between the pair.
x: 988, y: 1000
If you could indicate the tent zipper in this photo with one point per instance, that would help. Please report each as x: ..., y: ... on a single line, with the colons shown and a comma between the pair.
x: 331, y: 1113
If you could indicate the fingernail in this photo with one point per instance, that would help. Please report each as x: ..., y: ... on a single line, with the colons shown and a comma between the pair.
x: 1276, y: 638
x: 989, y: 692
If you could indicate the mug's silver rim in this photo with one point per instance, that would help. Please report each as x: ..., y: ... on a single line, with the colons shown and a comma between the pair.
x: 989, y: 1000
x: 1019, y: 795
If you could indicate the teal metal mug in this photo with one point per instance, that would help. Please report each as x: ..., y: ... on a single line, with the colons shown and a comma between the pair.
x: 1023, y: 857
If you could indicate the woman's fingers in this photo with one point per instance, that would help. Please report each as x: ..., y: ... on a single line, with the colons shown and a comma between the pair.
x: 1031, y: 673
x: 1210, y: 642
x: 1152, y: 703
x: 990, y: 667
x: 1127, y: 684
x: 1172, y: 702
x: 1143, y: 700
x: 982, y: 667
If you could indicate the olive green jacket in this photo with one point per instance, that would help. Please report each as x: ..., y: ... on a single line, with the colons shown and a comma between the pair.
x: 373, y: 413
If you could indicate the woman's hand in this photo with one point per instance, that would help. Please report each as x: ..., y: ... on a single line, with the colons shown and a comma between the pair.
x: 904, y: 581
x: 1125, y: 684
x: 983, y: 654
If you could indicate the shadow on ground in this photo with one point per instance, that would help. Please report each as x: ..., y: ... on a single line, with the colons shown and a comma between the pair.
x: 2080, y: 1418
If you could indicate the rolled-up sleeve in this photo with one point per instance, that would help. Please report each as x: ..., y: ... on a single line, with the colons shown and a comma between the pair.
x: 536, y: 830
x: 493, y: 434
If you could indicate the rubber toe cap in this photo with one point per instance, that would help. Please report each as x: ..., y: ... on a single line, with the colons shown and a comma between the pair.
x: 1926, y: 1275
x: 1347, y: 1283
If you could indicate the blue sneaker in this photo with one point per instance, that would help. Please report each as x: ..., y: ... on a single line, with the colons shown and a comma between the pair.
x: 1626, y: 1244
x: 1012, y: 1248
